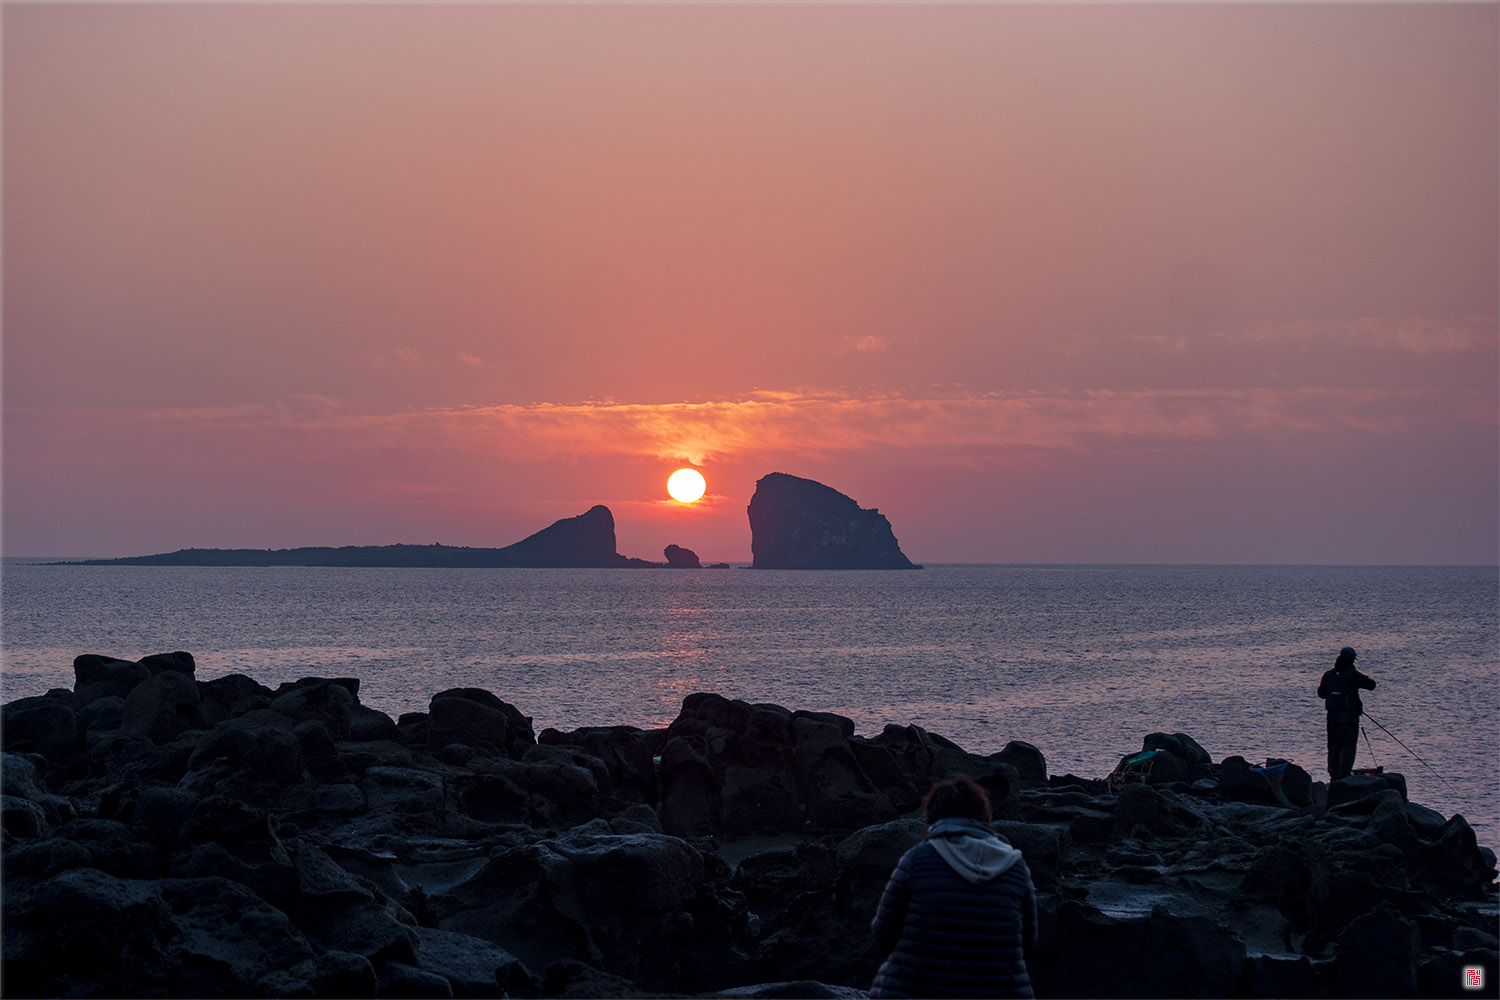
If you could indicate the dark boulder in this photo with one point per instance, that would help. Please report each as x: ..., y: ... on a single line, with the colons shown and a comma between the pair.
x: 103, y: 715
x: 319, y: 752
x: 230, y: 839
x: 22, y: 785
x: 368, y: 725
x: 179, y: 662
x: 681, y: 558
x: 801, y: 524
x: 1030, y: 765
x: 628, y: 755
x: 689, y: 790
x: 550, y: 789
x: 472, y: 966
x: 401, y: 979
x: 837, y: 793
x: 736, y: 768
x: 247, y: 760
x: 1045, y: 848
x: 87, y: 933
x: 162, y: 708
x: 21, y: 819
x: 380, y: 930
x: 1357, y: 787
x: 225, y: 938
x: 773, y: 881
x: 646, y: 908
x: 1162, y: 767
x: 526, y: 900
x: 96, y: 676
x: 113, y: 847
x: 925, y: 757
x: 231, y: 696
x: 476, y: 718
x: 1454, y: 863
x: 1179, y: 745
x: 404, y: 798
x: 824, y: 932
x: 31, y: 860
x: 331, y: 701
x: 570, y: 978
x: 1376, y: 955
x: 44, y: 725
x: 159, y: 815
x: 1206, y: 959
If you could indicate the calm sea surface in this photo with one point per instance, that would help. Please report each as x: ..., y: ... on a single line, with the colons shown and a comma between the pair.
x: 1081, y: 661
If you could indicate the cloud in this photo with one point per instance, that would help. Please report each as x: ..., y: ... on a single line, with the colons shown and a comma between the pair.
x: 1417, y: 336
x: 472, y: 361
x: 810, y: 422
x: 863, y: 345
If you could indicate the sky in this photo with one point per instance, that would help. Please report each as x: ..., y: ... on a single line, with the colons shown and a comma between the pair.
x: 1060, y: 282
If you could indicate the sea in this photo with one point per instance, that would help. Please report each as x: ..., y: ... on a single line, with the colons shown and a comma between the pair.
x: 1080, y: 661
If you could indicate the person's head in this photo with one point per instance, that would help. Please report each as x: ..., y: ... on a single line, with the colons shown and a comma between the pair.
x: 956, y: 798
x: 1346, y: 658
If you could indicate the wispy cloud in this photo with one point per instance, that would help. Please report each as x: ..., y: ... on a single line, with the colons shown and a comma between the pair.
x: 810, y: 422
x: 1409, y: 336
x: 869, y: 344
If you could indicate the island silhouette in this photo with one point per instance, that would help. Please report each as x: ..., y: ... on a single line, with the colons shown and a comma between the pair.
x: 795, y: 523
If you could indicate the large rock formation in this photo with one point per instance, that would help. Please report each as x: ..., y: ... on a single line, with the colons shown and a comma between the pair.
x: 801, y: 524
x: 586, y: 541
x: 221, y: 838
x: 681, y: 558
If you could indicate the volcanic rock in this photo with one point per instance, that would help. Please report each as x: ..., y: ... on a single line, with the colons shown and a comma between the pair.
x: 801, y: 524
x: 261, y: 850
x: 681, y: 558
x: 45, y: 725
x: 478, y: 719
x: 97, y: 677
x: 585, y: 540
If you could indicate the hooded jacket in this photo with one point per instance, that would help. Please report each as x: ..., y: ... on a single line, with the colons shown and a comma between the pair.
x: 957, y: 918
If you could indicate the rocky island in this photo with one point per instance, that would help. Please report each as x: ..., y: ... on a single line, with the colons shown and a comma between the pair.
x: 167, y: 836
x: 801, y: 524
x: 585, y: 541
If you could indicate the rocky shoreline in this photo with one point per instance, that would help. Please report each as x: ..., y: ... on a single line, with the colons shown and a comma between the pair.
x: 165, y: 836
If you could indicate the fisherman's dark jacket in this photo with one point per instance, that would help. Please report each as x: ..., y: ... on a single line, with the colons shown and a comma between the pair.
x: 947, y: 937
x: 1340, y: 691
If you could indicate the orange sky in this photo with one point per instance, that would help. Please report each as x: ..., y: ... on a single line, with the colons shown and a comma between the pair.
x: 1060, y: 282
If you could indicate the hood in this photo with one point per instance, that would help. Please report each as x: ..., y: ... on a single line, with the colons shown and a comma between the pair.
x: 971, y: 848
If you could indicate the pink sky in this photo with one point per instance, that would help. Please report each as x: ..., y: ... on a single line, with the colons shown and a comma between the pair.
x: 1054, y: 283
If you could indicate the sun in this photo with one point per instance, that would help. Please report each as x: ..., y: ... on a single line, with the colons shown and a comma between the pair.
x: 686, y: 485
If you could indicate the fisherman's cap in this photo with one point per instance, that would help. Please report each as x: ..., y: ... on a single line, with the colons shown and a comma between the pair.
x: 1347, y: 653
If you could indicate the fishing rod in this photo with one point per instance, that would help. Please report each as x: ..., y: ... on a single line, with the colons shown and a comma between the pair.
x: 1410, y: 751
x: 1368, y: 747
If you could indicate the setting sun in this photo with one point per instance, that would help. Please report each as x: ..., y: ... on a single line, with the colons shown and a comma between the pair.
x: 686, y: 485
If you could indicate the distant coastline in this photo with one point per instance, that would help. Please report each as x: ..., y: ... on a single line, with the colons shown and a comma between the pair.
x: 585, y: 541
x: 386, y: 556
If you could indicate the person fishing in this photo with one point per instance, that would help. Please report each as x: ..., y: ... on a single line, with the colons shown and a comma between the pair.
x: 958, y: 917
x: 1339, y: 690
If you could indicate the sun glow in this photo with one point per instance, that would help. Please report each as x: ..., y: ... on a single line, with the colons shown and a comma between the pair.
x: 686, y: 485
